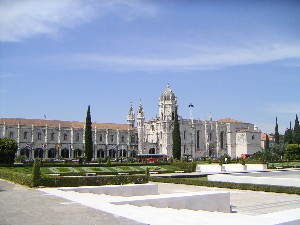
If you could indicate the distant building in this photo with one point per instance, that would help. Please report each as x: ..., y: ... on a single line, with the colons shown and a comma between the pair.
x: 271, y: 140
x: 199, y: 138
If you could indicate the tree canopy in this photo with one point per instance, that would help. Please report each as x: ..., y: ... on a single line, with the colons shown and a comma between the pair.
x: 88, y: 147
x: 8, y: 149
x: 176, y: 138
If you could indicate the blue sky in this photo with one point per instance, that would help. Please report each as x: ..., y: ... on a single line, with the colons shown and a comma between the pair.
x: 237, y: 59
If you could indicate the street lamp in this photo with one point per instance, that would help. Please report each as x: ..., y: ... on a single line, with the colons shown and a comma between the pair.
x: 192, y: 126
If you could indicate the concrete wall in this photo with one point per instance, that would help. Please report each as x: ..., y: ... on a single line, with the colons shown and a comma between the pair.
x: 119, y: 190
x: 207, y: 201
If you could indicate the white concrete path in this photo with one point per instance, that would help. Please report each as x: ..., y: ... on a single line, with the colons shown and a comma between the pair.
x: 162, y: 216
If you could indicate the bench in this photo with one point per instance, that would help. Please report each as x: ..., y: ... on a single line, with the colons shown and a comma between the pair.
x: 90, y: 174
x: 153, y: 172
x: 180, y: 171
x: 54, y: 174
x: 123, y: 173
x: 279, y: 167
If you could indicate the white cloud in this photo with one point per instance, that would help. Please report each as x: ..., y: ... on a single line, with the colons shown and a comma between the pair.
x: 21, y: 19
x: 196, y: 59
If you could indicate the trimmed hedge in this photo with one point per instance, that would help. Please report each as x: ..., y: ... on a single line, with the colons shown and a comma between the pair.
x: 252, y: 187
x: 186, y: 166
x: 92, y: 181
x: 15, y: 177
x: 74, y: 181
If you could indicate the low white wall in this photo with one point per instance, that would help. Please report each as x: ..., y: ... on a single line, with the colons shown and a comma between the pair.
x: 255, y: 180
x: 207, y: 201
x: 235, y: 167
x: 256, y: 167
x: 230, y: 167
x: 210, y: 168
x: 119, y: 190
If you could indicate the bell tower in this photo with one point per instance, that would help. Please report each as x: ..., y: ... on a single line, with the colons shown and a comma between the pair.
x: 130, y: 117
x: 167, y: 104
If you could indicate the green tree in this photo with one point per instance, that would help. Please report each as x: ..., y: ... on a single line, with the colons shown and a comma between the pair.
x: 292, y: 152
x: 296, y: 131
x: 8, y: 149
x: 276, y: 137
x: 267, y: 145
x: 176, y: 138
x: 88, y: 148
x: 36, y: 173
x: 288, y: 135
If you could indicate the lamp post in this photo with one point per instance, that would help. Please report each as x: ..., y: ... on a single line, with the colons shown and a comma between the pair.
x: 192, y: 126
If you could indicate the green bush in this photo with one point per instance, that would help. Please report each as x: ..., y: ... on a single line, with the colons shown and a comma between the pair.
x: 8, y: 149
x: 186, y: 166
x: 253, y: 187
x: 292, y: 152
x: 15, y: 177
x: 92, y: 181
x: 36, y: 173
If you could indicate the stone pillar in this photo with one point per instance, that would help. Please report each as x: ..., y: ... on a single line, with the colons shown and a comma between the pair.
x: 58, y: 153
x: 95, y: 144
x: 18, y: 140
x: 71, y: 144
x: 46, y: 142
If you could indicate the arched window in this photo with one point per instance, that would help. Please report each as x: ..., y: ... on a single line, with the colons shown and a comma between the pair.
x: 100, y: 137
x: 65, y: 137
x: 11, y: 135
x: 77, y: 137
x: 122, y: 138
x: 39, y: 136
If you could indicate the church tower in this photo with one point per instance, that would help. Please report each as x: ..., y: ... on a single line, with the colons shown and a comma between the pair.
x: 167, y: 107
x: 140, y: 128
x: 130, y: 116
x: 167, y: 104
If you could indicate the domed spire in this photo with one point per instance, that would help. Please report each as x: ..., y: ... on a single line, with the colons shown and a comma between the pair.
x: 168, y: 94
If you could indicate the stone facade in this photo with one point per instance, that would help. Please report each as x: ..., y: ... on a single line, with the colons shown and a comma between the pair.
x: 52, y: 139
x: 199, y: 138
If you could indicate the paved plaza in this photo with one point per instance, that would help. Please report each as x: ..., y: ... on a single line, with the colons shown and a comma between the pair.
x: 20, y: 205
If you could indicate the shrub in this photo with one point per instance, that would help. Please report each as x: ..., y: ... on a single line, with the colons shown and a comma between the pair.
x: 20, y: 159
x: 292, y: 152
x: 36, y: 173
x: 92, y: 181
x: 8, y: 149
x: 15, y: 177
x: 187, y: 166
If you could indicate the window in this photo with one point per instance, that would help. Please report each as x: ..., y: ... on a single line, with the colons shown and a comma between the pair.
x: 122, y: 138
x: 77, y: 137
x: 65, y: 137
x: 183, y: 135
x: 39, y: 136
x: 132, y: 139
x: 25, y: 135
x: 11, y: 135
x: 52, y: 136
x: 100, y: 137
x: 111, y: 138
x: 198, y: 139
x: 253, y: 137
x: 210, y: 136
x: 222, y: 139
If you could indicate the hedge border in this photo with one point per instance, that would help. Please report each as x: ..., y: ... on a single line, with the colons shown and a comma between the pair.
x: 71, y: 181
x: 252, y: 187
